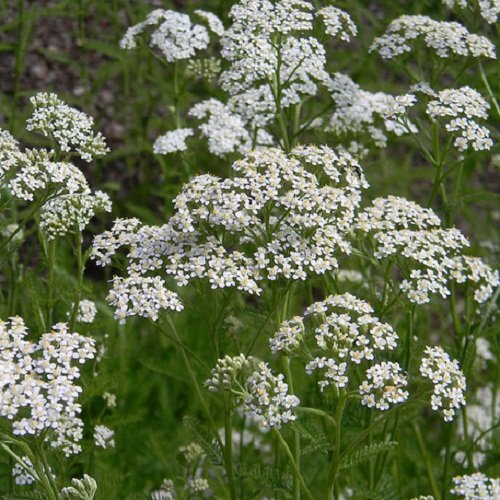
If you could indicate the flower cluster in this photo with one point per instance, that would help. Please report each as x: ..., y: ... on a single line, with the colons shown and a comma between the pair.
x: 225, y: 130
x: 68, y: 203
x: 207, y: 68
x: 448, y: 380
x: 459, y: 109
x: 72, y: 212
x: 87, y: 311
x: 268, y: 400
x: 174, y: 35
x: 251, y: 382
x: 104, y: 436
x: 489, y: 9
x: 346, y: 333
x: 20, y: 472
x: 38, y: 382
x: 69, y: 128
x: 445, y: 38
x: 476, y: 485
x: 383, y: 386
x: 337, y: 23
x: 270, y: 42
x: 280, y: 217
x: 433, y: 255
x: 172, y: 141
x: 360, y: 113
x: 142, y: 296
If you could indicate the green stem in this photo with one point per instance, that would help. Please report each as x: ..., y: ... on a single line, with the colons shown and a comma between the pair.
x: 49, y: 484
x: 488, y: 88
x: 296, y: 470
x: 334, y: 466
x: 428, y: 465
x: 51, y: 261
x: 228, y: 442
x: 194, y: 379
x: 317, y: 412
x: 80, y: 268
x: 296, y: 435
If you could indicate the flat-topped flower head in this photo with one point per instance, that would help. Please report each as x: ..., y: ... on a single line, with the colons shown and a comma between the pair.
x: 141, y: 296
x: 225, y: 130
x: 489, y: 9
x: 174, y: 34
x: 172, y: 141
x: 475, y: 486
x: 38, y: 381
x: 384, y: 385
x: 362, y: 114
x: 268, y: 400
x: 432, y: 257
x: 87, y: 311
x: 448, y: 380
x: 272, y: 42
x: 36, y: 173
x: 72, y: 213
x: 279, y: 217
x: 460, y: 111
x: 104, y: 437
x: 346, y: 333
x: 396, y: 212
x: 444, y: 38
x: 337, y: 23
x: 71, y: 129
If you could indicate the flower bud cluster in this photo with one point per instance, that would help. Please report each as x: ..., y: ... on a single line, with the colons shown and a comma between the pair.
x: 448, y: 380
x: 166, y: 491
x: 87, y: 311
x: 84, y: 488
x: 192, y: 452
x: 39, y: 393
x: 227, y: 372
x: 21, y: 476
